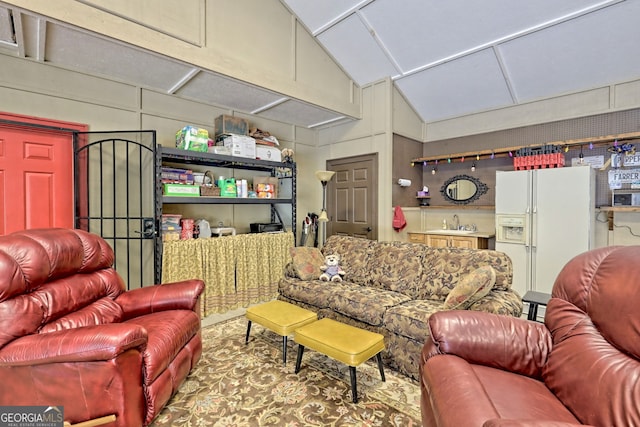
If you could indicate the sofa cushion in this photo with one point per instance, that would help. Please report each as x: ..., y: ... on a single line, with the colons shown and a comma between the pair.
x: 306, y: 262
x: 471, y: 288
x: 446, y: 266
x: 312, y: 292
x: 507, y: 303
x: 397, y: 266
x: 364, y: 303
x: 355, y: 256
x: 411, y: 318
x: 100, y: 312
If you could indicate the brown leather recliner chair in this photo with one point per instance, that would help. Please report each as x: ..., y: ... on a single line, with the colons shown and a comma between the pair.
x: 71, y: 336
x: 582, y: 366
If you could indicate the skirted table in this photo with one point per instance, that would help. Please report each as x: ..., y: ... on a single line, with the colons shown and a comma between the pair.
x: 237, y: 270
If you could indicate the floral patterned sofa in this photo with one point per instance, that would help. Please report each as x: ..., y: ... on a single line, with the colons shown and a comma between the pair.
x: 393, y: 287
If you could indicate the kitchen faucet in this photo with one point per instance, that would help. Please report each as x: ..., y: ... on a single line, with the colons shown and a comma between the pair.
x: 456, y: 222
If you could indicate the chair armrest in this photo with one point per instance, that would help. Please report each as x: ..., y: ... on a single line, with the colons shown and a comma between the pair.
x: 86, y: 344
x: 183, y: 295
x: 504, y: 342
x: 528, y: 423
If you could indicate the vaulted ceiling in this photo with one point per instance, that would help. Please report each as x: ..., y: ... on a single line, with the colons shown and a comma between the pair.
x: 452, y: 58
x: 449, y: 58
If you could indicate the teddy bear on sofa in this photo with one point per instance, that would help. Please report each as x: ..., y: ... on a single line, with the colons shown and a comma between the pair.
x: 331, y: 269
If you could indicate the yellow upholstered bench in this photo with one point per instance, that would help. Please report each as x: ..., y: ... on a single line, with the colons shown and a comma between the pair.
x: 347, y: 344
x: 279, y: 317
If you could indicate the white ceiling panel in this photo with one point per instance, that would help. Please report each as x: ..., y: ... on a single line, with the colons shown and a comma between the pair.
x: 448, y: 58
x: 419, y: 32
x: 352, y: 46
x: 592, y: 51
x: 95, y: 55
x: 546, y: 48
x: 301, y: 113
x: 469, y: 84
x: 215, y: 89
x: 316, y: 14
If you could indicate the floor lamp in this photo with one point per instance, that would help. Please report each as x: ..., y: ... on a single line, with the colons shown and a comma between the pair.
x: 324, y: 177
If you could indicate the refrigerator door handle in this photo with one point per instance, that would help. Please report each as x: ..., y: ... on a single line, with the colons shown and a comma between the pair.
x: 534, y: 229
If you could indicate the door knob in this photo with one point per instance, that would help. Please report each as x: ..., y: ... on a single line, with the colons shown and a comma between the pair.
x: 368, y: 229
x: 148, y: 228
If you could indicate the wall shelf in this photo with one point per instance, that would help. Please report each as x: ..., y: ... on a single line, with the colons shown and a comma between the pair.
x: 462, y: 207
x: 185, y: 157
x: 204, y: 200
x: 509, y: 151
x: 619, y: 208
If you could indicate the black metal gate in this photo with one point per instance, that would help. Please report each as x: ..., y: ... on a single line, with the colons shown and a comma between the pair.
x: 115, y: 197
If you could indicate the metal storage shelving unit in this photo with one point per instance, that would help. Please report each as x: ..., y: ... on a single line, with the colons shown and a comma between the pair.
x: 175, y: 155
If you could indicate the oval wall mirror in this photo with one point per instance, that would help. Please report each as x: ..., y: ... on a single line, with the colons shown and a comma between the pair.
x: 463, y: 189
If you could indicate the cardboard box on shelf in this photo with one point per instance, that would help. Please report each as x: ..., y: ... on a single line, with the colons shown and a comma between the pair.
x: 192, y: 138
x: 240, y: 145
x: 177, y: 176
x: 220, y: 149
x: 171, y: 235
x: 264, y: 152
x: 171, y: 221
x: 266, y: 187
x: 225, y: 124
x: 181, y: 190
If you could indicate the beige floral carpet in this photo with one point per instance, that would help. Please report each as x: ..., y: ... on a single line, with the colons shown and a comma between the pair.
x: 246, y: 385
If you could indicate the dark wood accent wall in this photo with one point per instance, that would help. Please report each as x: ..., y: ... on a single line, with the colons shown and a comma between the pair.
x: 553, y: 132
x: 485, y: 172
x: 404, y: 150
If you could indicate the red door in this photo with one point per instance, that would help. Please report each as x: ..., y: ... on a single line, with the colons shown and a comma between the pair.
x: 36, y: 175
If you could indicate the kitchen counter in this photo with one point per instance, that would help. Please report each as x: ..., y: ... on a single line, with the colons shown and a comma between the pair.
x: 454, y: 238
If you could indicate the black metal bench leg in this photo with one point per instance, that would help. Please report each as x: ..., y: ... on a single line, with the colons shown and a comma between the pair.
x: 379, y: 357
x: 246, y: 340
x: 299, y: 359
x: 284, y: 350
x: 354, y: 387
x: 533, y: 311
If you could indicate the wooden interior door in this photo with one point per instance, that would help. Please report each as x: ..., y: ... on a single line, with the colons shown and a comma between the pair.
x: 352, y: 197
x: 36, y: 173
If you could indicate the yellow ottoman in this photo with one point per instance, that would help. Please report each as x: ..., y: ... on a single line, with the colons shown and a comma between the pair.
x: 347, y: 344
x: 279, y: 317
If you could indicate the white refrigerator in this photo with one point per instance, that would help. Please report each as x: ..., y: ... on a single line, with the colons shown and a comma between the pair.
x: 544, y: 217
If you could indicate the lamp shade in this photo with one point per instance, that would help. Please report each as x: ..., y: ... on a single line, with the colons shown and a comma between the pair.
x: 324, y: 176
x: 323, y: 216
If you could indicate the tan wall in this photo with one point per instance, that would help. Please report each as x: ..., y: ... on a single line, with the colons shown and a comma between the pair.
x: 596, y: 101
x: 372, y: 134
x: 26, y: 88
x: 256, y: 41
x: 406, y: 121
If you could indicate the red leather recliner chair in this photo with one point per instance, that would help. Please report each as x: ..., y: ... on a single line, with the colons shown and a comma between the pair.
x: 71, y: 336
x: 581, y: 367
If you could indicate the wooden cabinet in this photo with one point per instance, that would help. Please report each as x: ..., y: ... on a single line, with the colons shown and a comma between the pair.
x: 417, y: 237
x: 441, y: 240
